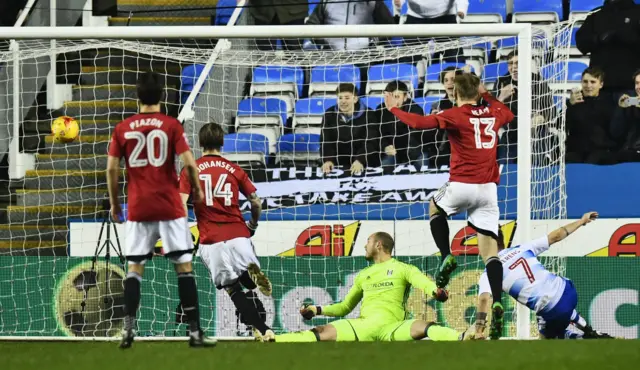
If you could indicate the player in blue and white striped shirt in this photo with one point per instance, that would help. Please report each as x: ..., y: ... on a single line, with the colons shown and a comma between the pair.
x: 552, y: 297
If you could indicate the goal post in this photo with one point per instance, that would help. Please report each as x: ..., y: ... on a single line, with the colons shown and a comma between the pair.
x: 77, y: 167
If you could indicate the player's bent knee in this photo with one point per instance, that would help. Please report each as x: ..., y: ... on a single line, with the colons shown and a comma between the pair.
x: 181, y: 259
x: 233, y: 289
x: 419, y: 329
x: 325, y: 333
x: 433, y: 209
x: 136, y: 268
x: 246, y: 281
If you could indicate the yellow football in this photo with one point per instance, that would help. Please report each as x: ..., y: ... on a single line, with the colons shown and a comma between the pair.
x: 64, y: 129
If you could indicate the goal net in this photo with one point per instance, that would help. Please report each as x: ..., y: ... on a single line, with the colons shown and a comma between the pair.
x: 272, y: 103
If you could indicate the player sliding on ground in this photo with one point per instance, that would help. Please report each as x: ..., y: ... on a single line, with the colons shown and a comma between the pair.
x: 472, y: 130
x: 552, y: 297
x: 383, y: 288
x: 225, y: 246
x: 149, y: 141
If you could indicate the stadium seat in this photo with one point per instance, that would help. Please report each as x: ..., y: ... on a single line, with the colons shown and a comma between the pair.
x: 299, y: 148
x: 508, y: 44
x: 265, y: 116
x: 578, y: 9
x: 427, y: 102
x: 556, y: 72
x: 224, y: 10
x: 565, y: 44
x: 309, y: 112
x: 284, y: 82
x: 371, y: 101
x: 432, y: 79
x: 380, y: 75
x: 492, y: 72
x: 532, y: 11
x: 486, y: 11
x: 188, y: 79
x: 325, y: 79
x: 246, y: 149
x: 476, y: 51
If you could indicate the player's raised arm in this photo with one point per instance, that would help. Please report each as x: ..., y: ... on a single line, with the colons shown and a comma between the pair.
x: 502, y: 113
x: 566, y: 230
x: 413, y: 120
x: 417, y: 279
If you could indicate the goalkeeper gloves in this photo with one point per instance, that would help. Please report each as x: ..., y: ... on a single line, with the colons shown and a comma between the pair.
x: 440, y: 295
x: 309, y: 311
x: 252, y: 228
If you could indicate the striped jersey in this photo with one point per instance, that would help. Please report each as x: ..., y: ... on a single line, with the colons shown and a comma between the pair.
x: 526, y: 279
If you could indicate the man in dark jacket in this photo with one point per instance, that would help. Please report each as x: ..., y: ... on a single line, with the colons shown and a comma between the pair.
x: 344, y: 132
x: 588, y: 116
x: 275, y: 13
x: 506, y: 89
x: 612, y: 36
x: 394, y: 142
x: 626, y: 124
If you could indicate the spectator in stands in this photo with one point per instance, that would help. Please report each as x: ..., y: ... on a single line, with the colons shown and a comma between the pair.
x: 438, y: 146
x: 627, y: 124
x: 435, y: 12
x: 340, y: 12
x: 588, y: 118
x: 506, y: 89
x: 344, y: 132
x: 275, y: 13
x: 612, y: 37
x: 393, y: 142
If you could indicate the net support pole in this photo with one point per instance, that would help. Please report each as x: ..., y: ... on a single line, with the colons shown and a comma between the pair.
x: 14, y: 143
x: 223, y: 44
x: 523, y: 322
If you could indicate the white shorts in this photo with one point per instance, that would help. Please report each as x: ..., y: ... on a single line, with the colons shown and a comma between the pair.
x: 142, y: 238
x: 228, y: 260
x: 479, y: 200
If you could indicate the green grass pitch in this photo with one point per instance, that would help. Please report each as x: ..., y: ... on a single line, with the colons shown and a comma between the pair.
x: 516, y: 355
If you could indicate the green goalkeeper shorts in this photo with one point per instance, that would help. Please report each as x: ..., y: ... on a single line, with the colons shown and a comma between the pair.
x: 369, y: 330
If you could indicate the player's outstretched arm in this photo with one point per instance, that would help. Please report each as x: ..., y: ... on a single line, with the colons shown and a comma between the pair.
x: 337, y: 309
x: 417, y: 121
x: 566, y: 230
x: 417, y: 279
x: 192, y: 175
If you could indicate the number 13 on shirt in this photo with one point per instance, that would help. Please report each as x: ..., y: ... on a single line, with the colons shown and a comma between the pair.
x: 221, y: 190
x: 483, y: 128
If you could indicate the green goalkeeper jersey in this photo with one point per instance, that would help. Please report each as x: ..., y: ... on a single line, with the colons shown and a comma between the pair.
x: 384, y: 289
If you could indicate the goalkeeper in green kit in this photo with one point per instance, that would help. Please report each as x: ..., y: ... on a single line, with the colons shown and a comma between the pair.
x: 383, y: 288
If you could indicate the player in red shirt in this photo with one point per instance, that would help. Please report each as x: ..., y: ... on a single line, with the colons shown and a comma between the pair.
x: 225, y: 246
x: 473, y: 133
x: 149, y: 141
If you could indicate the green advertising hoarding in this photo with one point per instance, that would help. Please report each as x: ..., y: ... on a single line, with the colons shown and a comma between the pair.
x: 44, y: 296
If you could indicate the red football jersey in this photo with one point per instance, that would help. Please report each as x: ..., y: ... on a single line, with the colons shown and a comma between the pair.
x: 149, y: 143
x: 219, y: 216
x: 473, y: 134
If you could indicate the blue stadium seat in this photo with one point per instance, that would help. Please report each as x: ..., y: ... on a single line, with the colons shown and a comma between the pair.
x: 371, y: 101
x: 265, y: 116
x: 565, y: 43
x: 491, y: 73
x: 578, y: 9
x: 486, y: 11
x: 380, y: 75
x: 556, y: 73
x: 284, y: 82
x: 547, y: 11
x: 313, y: 4
x: 309, y: 112
x: 245, y: 148
x: 224, y: 10
x: 188, y: 79
x: 298, y: 147
x: 508, y: 44
x: 427, y: 102
x: 325, y: 79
